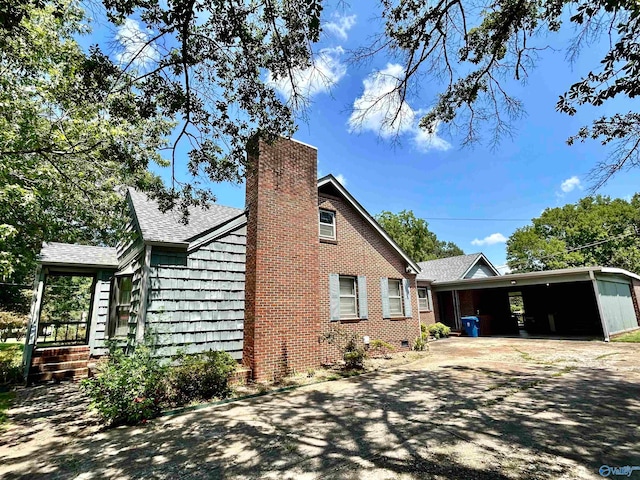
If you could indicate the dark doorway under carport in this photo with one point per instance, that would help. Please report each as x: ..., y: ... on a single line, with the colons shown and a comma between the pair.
x: 563, y: 309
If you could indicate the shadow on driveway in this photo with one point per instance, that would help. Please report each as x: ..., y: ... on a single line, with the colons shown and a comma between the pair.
x: 449, y: 419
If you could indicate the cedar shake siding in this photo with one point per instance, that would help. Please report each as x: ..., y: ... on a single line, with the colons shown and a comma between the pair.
x: 100, y: 312
x: 196, y: 299
x: 360, y: 251
x: 282, y: 326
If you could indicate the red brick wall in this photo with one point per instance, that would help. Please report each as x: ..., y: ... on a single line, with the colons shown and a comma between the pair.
x: 281, y: 326
x: 469, y: 302
x: 429, y: 317
x: 361, y: 250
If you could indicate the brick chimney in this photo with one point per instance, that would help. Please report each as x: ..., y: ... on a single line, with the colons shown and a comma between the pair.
x: 282, y: 323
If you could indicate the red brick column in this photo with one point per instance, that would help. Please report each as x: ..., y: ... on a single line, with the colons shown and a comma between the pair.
x: 282, y: 326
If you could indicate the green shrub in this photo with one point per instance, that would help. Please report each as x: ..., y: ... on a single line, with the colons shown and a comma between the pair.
x: 12, y: 325
x: 127, y: 389
x: 380, y: 348
x: 438, y: 330
x: 10, y: 366
x: 200, y: 377
x: 353, y: 354
x: 420, y: 343
x: 423, y: 328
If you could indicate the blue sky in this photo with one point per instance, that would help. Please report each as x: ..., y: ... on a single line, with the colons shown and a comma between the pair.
x: 435, y: 177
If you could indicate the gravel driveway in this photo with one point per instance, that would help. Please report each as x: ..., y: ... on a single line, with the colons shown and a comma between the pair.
x: 486, y: 408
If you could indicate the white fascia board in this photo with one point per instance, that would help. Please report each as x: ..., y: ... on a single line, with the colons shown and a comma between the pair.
x: 360, y: 209
x: 520, y: 279
x: 619, y: 271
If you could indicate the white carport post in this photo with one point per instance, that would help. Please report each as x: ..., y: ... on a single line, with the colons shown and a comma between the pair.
x: 596, y: 291
x: 34, y: 319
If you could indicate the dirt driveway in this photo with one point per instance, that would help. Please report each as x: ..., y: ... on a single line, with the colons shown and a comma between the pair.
x: 484, y: 408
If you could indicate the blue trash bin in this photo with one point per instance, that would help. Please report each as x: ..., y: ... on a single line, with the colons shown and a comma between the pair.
x: 471, y: 325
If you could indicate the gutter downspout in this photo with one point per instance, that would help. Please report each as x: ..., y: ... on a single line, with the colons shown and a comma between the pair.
x: 596, y: 290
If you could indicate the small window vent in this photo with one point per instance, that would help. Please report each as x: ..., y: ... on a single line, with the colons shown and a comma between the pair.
x: 404, y: 343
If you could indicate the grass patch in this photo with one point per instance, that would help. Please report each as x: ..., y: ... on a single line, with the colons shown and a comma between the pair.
x: 6, y: 398
x: 631, y: 337
x: 12, y: 346
x: 525, y: 356
x: 600, y: 357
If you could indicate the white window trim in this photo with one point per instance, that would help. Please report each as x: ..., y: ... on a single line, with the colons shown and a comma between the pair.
x: 354, y: 296
x: 426, y: 307
x: 333, y: 225
x: 119, y: 330
x: 401, y: 297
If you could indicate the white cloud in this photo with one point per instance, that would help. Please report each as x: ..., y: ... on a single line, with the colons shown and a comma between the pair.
x: 381, y: 109
x: 133, y: 41
x: 490, y: 240
x: 326, y: 71
x: 340, y: 26
x: 570, y: 184
x: 341, y: 179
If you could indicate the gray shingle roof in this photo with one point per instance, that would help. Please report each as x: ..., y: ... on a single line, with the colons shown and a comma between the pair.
x: 446, y: 269
x: 156, y: 226
x: 83, y: 255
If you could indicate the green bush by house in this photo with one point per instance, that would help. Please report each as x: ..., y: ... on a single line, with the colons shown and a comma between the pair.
x: 10, y: 363
x: 200, y: 377
x: 130, y: 389
x: 436, y: 330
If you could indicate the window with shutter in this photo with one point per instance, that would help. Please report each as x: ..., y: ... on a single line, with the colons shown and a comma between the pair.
x: 395, y: 298
x: 423, y: 299
x: 348, y: 297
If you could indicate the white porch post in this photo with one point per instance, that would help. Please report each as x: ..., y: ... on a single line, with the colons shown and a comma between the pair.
x: 34, y: 319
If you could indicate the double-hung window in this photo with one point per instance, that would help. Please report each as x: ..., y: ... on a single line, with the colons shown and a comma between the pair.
x: 423, y: 299
x: 348, y: 297
x: 327, y: 224
x: 395, y: 298
x: 123, y: 306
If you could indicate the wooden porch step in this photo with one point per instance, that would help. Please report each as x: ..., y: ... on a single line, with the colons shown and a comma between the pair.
x: 59, y: 366
x: 72, y: 357
x: 56, y: 351
x: 72, y: 374
x: 59, y: 363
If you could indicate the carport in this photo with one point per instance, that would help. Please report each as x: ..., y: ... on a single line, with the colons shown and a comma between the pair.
x: 586, y: 301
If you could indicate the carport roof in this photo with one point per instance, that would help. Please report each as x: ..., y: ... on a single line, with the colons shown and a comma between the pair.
x: 532, y: 278
x: 72, y: 255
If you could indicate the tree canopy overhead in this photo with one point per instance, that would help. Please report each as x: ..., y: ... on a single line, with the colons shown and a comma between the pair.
x: 414, y: 237
x: 594, y: 231
x: 474, y: 48
x: 66, y: 144
x: 76, y: 126
x: 192, y: 81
